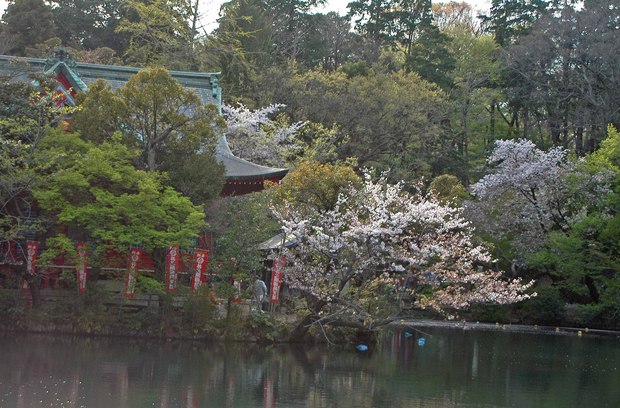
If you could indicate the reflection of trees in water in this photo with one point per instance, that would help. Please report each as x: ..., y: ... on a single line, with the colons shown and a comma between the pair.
x: 455, y: 367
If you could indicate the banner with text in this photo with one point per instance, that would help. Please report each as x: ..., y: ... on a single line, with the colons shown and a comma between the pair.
x: 81, y: 266
x: 135, y: 254
x: 201, y: 258
x: 276, y: 279
x: 172, y: 267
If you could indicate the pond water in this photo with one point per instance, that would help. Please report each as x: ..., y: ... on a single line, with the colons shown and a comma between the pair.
x: 450, y: 368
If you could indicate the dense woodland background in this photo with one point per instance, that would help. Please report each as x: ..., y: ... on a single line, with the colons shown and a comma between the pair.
x: 422, y: 89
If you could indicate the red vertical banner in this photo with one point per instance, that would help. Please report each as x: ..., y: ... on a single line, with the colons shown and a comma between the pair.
x: 164, y: 396
x: 172, y: 266
x: 201, y: 258
x: 135, y: 254
x: 32, y: 252
x: 80, y: 266
x: 276, y: 279
x: 191, y: 397
x: 269, y: 399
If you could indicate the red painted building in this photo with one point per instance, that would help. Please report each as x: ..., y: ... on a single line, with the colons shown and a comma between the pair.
x: 242, y: 176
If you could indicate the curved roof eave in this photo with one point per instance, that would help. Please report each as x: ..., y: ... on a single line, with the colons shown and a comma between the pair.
x: 241, y: 169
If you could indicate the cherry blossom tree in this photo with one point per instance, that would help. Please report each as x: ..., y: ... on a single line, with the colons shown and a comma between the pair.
x: 355, y: 261
x: 255, y: 136
x: 530, y: 192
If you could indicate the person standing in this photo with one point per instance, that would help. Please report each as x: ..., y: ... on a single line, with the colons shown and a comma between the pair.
x: 260, y: 292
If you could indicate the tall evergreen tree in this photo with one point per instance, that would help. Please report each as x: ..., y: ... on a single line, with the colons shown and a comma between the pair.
x: 89, y: 24
x: 27, y: 23
x: 508, y: 19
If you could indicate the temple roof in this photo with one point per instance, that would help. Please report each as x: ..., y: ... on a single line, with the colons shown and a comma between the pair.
x: 278, y: 241
x: 240, y: 169
x: 79, y: 75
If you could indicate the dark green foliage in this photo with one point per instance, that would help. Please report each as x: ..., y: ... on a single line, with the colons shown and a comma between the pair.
x: 547, y: 308
x: 26, y: 23
x: 584, y: 266
x: 385, y: 120
x: 264, y: 328
x: 25, y: 118
x: 89, y: 23
x: 175, y: 132
x: 430, y: 57
x: 508, y: 19
x: 330, y: 42
x: 199, y: 312
x: 240, y: 224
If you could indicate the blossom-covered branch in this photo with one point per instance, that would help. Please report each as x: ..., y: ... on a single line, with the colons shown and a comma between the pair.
x: 253, y: 135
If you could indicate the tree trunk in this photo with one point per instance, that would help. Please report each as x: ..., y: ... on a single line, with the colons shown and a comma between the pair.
x: 594, y: 294
x: 579, y: 141
x: 491, y: 123
x: 554, y: 127
x: 158, y: 255
x: 314, y: 306
x: 299, y: 333
x: 150, y: 157
x: 33, y: 284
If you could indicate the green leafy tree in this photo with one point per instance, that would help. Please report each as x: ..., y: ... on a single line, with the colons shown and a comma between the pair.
x: 89, y: 23
x: 26, y: 23
x: 448, y: 190
x: 393, y: 120
x: 477, y: 70
x: 161, y: 32
x: 290, y: 26
x: 26, y: 115
x: 97, y: 191
x: 174, y: 131
x: 239, y: 224
x: 405, y: 25
x: 329, y: 43
x: 430, y: 56
x: 374, y: 19
x: 508, y: 19
x: 314, y: 185
x: 242, y: 43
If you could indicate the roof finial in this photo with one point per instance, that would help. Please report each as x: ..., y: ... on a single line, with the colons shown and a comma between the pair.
x: 61, y: 54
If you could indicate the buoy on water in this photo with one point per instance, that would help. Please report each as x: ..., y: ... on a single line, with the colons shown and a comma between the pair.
x: 361, y: 347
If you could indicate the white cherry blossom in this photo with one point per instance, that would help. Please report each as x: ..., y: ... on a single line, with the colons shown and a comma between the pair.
x: 353, y: 260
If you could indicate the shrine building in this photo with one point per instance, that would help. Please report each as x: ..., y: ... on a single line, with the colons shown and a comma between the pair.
x: 72, y: 77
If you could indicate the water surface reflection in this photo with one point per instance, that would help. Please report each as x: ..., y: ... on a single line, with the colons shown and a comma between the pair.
x: 452, y: 369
